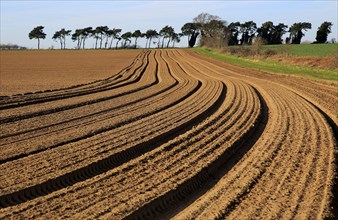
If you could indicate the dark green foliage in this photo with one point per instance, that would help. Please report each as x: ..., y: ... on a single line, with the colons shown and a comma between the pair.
x: 37, y: 33
x: 61, y: 36
x: 296, y: 31
x: 272, y: 34
x: 190, y: 30
x: 323, y: 31
x: 234, y: 29
x: 126, y: 37
x: 113, y: 34
x: 137, y: 34
x: 81, y: 35
x: 166, y: 32
x: 248, y: 30
x: 150, y: 34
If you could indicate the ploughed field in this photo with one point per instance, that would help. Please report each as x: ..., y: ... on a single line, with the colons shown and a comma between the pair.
x: 171, y: 135
x: 34, y: 70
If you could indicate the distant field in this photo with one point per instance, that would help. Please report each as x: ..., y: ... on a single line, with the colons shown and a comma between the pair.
x: 308, y: 49
x: 274, y: 66
x: 317, y: 50
x: 36, y: 70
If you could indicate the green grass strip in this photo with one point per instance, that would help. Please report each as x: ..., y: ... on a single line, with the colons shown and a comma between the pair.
x: 271, y: 65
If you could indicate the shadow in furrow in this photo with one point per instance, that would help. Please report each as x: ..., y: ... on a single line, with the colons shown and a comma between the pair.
x: 334, y: 127
x: 171, y: 203
x: 108, y: 163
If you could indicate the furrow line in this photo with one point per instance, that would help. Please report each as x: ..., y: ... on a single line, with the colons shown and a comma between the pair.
x: 16, y: 97
x: 156, y: 163
x: 116, y: 113
x: 205, y: 206
x: 81, y: 92
x: 26, y: 112
x: 163, y: 206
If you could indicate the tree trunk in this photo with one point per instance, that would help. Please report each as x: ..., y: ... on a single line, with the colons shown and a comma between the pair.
x: 117, y: 44
x: 146, y: 43
x: 64, y: 43
x: 149, y: 42
x: 38, y: 43
x: 163, y: 42
x: 135, y: 42
x: 101, y: 41
x: 83, y: 46
x: 168, y: 43
x: 111, y: 42
x: 96, y: 42
x: 80, y: 43
x: 106, y: 44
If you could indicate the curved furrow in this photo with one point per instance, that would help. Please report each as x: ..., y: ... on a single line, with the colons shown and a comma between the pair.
x: 253, y: 208
x: 114, y: 77
x: 159, y: 94
x: 327, y: 103
x: 191, y: 87
x: 220, y: 200
x: 323, y: 94
x: 307, y: 186
x: 98, y: 150
x: 177, y: 136
x: 98, y: 86
x: 209, y: 163
x: 20, y: 97
x: 38, y: 109
x: 282, y: 187
x: 42, y: 121
x: 194, y: 151
x: 191, y: 103
x: 206, y: 100
x: 286, y: 153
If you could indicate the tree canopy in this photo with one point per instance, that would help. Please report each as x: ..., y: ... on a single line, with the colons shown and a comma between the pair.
x: 191, y: 30
x: 166, y: 33
x: 210, y: 30
x: 136, y: 34
x: 270, y: 33
x: 323, y: 31
x: 37, y: 33
x: 296, y: 32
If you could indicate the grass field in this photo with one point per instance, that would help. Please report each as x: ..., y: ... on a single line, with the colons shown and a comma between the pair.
x: 307, y: 49
x: 316, y: 50
x: 275, y: 66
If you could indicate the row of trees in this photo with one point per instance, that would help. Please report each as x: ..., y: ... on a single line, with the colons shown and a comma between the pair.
x: 104, y: 37
x: 213, y: 32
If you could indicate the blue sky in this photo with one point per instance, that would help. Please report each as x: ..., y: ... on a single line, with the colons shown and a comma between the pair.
x: 18, y: 18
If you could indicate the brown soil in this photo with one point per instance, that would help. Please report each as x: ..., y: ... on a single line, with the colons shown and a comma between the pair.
x: 330, y: 62
x: 28, y: 71
x: 172, y: 135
